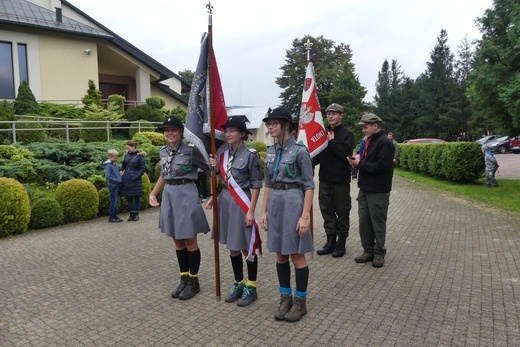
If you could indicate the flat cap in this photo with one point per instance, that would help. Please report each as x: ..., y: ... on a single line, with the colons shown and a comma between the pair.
x: 369, y: 118
x: 334, y: 108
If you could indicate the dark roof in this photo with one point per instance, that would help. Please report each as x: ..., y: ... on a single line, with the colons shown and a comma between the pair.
x: 25, y: 13
x: 129, y: 48
x: 171, y: 92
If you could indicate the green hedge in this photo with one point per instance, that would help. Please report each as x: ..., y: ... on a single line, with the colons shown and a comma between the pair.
x: 15, y: 209
x: 460, y: 162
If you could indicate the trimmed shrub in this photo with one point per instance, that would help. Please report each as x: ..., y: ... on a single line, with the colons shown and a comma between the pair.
x: 157, y: 139
x: 14, y: 153
x: 144, y: 112
x: 118, y: 101
x: 95, y: 135
x: 21, y: 170
x: 30, y: 136
x: 459, y: 162
x: 46, y: 212
x: 25, y: 102
x: 99, y: 181
x: 156, y: 102
x: 93, y: 97
x: 15, y: 209
x: 138, y: 126
x: 78, y: 199
x: 50, y: 109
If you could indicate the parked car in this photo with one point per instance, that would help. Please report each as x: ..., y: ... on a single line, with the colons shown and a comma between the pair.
x: 514, y: 144
x: 425, y: 140
x: 487, y: 138
x: 500, y: 145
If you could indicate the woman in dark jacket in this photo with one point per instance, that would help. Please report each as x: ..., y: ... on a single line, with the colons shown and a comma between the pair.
x: 132, y: 169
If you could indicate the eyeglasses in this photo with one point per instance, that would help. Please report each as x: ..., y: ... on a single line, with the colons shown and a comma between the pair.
x: 272, y: 124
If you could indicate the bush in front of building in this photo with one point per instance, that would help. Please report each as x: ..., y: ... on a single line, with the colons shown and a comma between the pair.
x: 15, y: 209
x: 45, y: 213
x: 78, y: 199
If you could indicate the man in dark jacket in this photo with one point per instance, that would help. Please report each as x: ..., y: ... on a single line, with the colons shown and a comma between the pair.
x: 375, y: 183
x: 334, y: 188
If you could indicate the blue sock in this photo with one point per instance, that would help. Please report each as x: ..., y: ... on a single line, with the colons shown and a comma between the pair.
x: 302, y: 295
x: 284, y: 290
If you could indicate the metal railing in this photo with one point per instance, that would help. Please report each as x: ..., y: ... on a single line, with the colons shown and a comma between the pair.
x: 67, y: 125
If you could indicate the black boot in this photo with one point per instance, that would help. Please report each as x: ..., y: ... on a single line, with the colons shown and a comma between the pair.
x: 184, y: 282
x: 136, y: 216
x: 191, y: 289
x: 131, y: 217
x: 340, y: 250
x: 329, y: 247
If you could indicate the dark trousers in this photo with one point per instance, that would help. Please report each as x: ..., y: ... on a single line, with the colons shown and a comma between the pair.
x: 113, y: 193
x: 335, y: 205
x: 373, y: 210
x: 202, y: 184
x: 134, y: 203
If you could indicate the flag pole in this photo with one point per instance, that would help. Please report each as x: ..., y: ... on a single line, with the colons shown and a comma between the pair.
x: 308, y: 46
x: 211, y: 110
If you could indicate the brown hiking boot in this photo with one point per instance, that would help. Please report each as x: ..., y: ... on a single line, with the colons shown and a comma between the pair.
x: 285, y: 306
x: 297, y: 311
x: 379, y: 261
x: 364, y: 258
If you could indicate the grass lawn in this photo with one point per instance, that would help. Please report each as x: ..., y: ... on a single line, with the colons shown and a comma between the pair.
x: 506, y: 196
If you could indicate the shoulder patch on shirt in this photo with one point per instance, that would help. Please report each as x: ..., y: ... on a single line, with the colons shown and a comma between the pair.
x: 190, y: 145
x: 252, y: 150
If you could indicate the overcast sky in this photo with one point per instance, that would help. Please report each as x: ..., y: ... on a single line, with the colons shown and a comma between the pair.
x: 250, y: 38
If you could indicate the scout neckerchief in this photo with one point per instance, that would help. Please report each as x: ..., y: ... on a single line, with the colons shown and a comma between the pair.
x: 242, y: 201
x: 168, y: 165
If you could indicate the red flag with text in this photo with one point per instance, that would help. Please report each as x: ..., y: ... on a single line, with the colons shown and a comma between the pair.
x: 311, y: 131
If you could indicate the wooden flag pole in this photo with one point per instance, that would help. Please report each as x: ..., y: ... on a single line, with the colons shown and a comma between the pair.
x: 211, y: 110
x: 308, y: 46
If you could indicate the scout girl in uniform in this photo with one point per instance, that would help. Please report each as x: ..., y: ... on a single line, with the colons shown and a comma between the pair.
x: 240, y: 173
x: 288, y: 194
x: 181, y: 216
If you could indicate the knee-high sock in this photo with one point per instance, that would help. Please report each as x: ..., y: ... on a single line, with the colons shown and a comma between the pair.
x: 182, y: 258
x: 194, y: 257
x: 302, y: 279
x: 284, y: 274
x: 252, y: 269
x: 237, y: 265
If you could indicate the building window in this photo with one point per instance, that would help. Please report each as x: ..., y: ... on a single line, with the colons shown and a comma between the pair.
x: 6, y: 71
x: 22, y: 63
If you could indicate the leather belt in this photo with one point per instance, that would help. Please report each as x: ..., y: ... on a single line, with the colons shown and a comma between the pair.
x: 178, y: 182
x: 285, y: 186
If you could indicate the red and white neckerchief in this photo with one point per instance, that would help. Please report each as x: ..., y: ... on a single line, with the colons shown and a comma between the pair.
x: 243, y: 202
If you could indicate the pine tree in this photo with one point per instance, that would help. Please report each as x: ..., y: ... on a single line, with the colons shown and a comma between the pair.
x: 93, y: 96
x: 25, y: 102
x: 494, y: 86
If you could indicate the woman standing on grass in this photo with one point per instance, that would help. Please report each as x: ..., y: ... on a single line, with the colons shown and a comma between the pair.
x: 288, y: 194
x: 181, y: 216
x: 240, y: 172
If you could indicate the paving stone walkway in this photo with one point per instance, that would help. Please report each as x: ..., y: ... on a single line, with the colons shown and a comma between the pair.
x: 451, y: 278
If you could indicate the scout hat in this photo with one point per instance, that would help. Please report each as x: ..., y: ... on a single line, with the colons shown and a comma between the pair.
x: 237, y: 122
x: 172, y: 121
x: 280, y: 113
x: 369, y: 118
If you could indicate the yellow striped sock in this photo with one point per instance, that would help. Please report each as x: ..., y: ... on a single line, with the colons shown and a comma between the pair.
x: 241, y: 282
x: 194, y: 276
x: 253, y: 284
x: 185, y: 273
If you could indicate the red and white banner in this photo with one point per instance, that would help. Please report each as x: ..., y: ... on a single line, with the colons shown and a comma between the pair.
x: 311, y: 131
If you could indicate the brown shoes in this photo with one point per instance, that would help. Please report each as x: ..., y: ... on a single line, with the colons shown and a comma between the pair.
x: 364, y: 258
x: 379, y: 261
